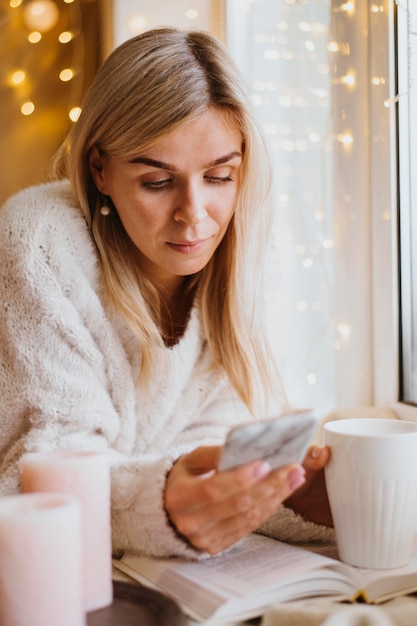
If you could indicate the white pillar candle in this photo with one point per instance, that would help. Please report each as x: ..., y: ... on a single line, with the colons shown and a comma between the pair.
x: 41, y: 561
x: 86, y: 475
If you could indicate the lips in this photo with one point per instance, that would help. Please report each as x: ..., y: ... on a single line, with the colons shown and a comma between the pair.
x: 188, y: 247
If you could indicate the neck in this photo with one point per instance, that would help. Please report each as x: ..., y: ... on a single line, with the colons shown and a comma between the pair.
x: 175, y: 311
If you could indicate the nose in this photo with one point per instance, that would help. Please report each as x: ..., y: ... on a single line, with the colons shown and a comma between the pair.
x: 190, y: 205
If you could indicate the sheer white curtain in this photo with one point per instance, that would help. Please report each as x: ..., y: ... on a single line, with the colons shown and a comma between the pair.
x: 306, y: 64
x: 131, y: 17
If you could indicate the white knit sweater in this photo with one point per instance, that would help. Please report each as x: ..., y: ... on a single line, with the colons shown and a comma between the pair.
x: 68, y: 372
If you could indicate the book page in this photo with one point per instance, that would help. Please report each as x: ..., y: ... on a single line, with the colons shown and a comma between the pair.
x: 381, y: 585
x: 241, y: 583
x: 257, y: 562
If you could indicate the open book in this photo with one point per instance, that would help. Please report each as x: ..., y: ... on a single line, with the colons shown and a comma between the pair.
x: 259, y: 572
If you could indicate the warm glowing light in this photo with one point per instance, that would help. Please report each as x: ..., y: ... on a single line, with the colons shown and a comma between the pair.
x: 314, y: 137
x: 378, y: 80
x: 389, y: 101
x: 349, y: 7
x: 332, y: 46
x: 34, y: 37
x: 66, y: 36
x: 344, y: 330
x: 17, y: 77
x: 376, y: 8
x: 191, y: 14
x: 27, y: 108
x: 74, y: 114
x: 41, y: 15
x: 348, y: 79
x: 15, y: 3
x: 137, y: 24
x: 346, y: 139
x: 66, y: 74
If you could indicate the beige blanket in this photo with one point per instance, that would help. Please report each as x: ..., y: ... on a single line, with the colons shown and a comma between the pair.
x: 319, y: 612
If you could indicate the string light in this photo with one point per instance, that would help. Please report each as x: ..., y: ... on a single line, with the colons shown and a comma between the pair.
x: 345, y: 138
x: 66, y: 74
x: 39, y: 18
x: 34, y: 37
x: 41, y: 15
x: 17, y: 77
x: 348, y: 7
x: 348, y: 80
x: 137, y: 24
x: 27, y: 108
x: 191, y: 14
x: 74, y: 114
x: 66, y: 36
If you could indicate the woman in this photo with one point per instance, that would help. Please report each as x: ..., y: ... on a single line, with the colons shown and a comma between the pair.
x: 130, y: 320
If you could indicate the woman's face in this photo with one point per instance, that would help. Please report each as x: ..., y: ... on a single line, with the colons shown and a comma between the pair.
x: 176, y: 199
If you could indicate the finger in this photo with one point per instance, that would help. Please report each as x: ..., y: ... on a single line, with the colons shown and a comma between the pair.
x: 247, y: 506
x: 316, y: 458
x: 222, y: 535
x: 206, y: 490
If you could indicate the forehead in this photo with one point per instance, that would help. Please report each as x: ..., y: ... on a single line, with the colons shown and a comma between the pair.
x: 214, y: 129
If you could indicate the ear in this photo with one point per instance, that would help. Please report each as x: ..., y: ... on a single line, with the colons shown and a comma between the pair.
x: 96, y: 162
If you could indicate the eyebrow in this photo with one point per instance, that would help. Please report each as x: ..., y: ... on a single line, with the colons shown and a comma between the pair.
x: 166, y: 166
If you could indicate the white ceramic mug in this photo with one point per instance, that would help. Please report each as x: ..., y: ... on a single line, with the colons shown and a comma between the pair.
x: 371, y: 480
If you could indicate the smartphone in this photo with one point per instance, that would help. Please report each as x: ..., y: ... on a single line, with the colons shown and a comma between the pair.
x: 281, y: 440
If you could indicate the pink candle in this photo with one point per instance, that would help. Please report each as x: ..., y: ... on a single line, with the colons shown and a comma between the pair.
x: 86, y: 475
x: 41, y: 561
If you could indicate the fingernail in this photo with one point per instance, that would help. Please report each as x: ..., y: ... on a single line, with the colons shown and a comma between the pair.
x: 296, y: 478
x: 316, y: 452
x: 261, y: 469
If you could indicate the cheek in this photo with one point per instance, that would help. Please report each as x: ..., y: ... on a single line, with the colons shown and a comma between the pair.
x: 134, y: 210
x: 226, y: 209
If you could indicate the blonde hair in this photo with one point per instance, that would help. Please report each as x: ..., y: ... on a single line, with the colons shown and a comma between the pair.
x: 146, y: 88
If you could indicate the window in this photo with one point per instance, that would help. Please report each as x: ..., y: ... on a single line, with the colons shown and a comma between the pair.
x: 407, y: 177
x: 331, y: 116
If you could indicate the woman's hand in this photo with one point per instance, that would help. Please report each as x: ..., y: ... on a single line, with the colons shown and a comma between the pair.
x: 310, y: 500
x: 213, y: 510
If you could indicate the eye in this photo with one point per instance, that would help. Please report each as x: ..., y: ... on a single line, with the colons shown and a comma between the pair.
x: 218, y: 180
x: 156, y: 185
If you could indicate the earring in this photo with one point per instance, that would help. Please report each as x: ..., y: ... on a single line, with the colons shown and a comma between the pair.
x: 105, y: 209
